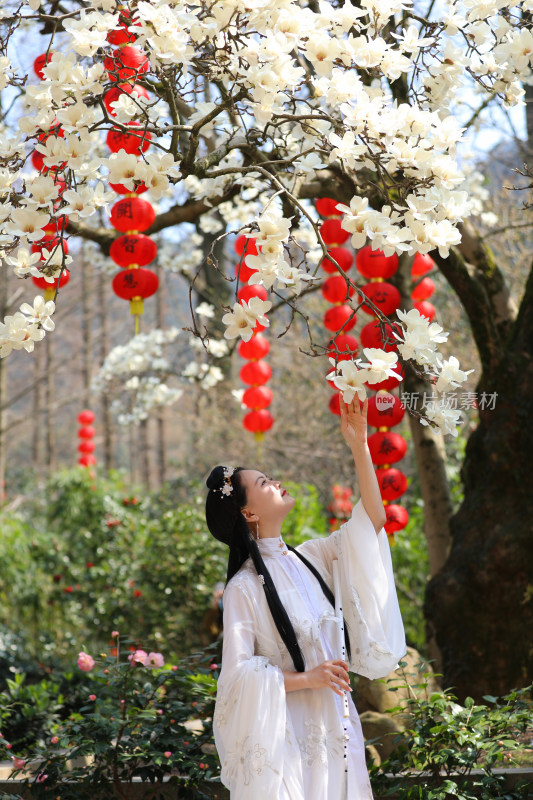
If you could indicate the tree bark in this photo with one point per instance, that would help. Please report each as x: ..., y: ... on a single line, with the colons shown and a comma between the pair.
x: 49, y: 426
x: 107, y: 422
x: 479, y: 606
x: 161, y: 438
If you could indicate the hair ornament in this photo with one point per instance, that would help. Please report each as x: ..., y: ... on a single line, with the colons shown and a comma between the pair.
x: 227, y: 487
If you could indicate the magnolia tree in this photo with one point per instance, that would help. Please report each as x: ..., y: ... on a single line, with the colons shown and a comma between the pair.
x: 253, y: 108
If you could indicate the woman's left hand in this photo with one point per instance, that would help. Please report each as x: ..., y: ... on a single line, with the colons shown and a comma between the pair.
x: 353, y: 421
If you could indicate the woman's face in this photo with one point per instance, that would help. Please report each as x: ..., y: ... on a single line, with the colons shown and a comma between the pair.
x: 265, y: 498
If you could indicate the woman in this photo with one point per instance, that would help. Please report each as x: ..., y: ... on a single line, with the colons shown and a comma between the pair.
x: 278, y: 724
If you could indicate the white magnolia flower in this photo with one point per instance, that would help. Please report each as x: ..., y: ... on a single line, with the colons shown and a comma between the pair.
x: 23, y: 262
x: 446, y: 418
x: 40, y: 312
x: 28, y: 223
x: 16, y: 332
x: 381, y: 365
x: 205, y: 310
x: 451, y: 375
x: 349, y: 380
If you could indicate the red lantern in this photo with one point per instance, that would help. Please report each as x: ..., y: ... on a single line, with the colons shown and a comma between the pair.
x: 426, y: 309
x: 423, y: 290
x: 132, y: 214
x: 334, y: 289
x: 86, y: 447
x: 326, y: 207
x: 39, y: 63
x: 87, y: 460
x: 135, y: 141
x: 87, y: 431
x: 246, y: 293
x: 386, y: 447
x: 343, y: 347
x: 256, y: 373
x: 51, y: 244
x: 244, y: 273
x: 335, y: 404
x: 50, y: 288
x: 115, y: 92
x: 135, y: 285
x: 392, y: 483
x: 120, y: 36
x: 257, y: 397
x: 421, y: 264
x: 258, y: 347
x: 337, y: 316
x: 86, y: 417
x: 375, y: 264
x: 119, y: 188
x: 397, y: 518
x: 37, y: 160
x: 371, y: 336
x: 251, y: 246
x: 333, y: 233
x: 126, y: 63
x: 385, y: 409
x: 135, y: 249
x: 342, y: 256
x: 385, y: 296
x: 56, y: 225
x: 258, y: 421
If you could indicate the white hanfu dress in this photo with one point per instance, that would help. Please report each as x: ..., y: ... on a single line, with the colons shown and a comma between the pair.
x: 275, y: 745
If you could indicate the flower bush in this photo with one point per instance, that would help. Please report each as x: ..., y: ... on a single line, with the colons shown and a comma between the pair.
x: 444, y: 741
x: 138, y: 718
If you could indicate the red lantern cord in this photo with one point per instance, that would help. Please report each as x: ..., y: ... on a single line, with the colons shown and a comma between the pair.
x: 86, y: 445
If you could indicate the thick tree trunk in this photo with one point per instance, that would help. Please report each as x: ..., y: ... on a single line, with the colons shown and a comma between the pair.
x: 479, y: 606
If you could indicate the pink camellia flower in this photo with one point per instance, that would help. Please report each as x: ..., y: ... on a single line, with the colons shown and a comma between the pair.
x: 85, y: 662
x: 8, y: 746
x: 214, y: 666
x: 92, y: 697
x: 139, y: 657
x: 167, y: 753
x: 155, y: 660
x: 54, y: 739
x: 114, y: 633
x: 18, y: 763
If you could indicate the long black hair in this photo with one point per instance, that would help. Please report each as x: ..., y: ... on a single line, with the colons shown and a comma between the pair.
x: 227, y: 524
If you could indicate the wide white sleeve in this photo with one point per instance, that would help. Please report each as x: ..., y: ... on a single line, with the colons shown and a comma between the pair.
x: 250, y: 710
x: 369, y: 599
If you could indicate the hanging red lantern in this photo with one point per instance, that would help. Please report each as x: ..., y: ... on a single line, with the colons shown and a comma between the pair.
x: 335, y: 404
x: 126, y: 63
x: 119, y: 188
x: 56, y: 225
x: 421, y: 264
x: 384, y: 409
x: 135, y: 285
x: 342, y: 256
x: 256, y: 373
x: 132, y: 249
x: 250, y: 243
x: 243, y: 273
x: 132, y: 214
x: 258, y: 421
x: 51, y: 288
x: 426, y: 308
x: 335, y: 290
x: 392, y: 483
x: 423, y: 290
x: 333, y: 233
x: 246, y: 293
x: 113, y: 94
x: 39, y: 63
x: 375, y: 264
x: 397, y: 518
x: 120, y: 36
x: 386, y: 447
x: 87, y: 460
x: 385, y: 296
x: 327, y: 207
x: 258, y: 347
x: 135, y: 140
x: 371, y: 336
x: 257, y: 397
x: 343, y: 347
x: 86, y: 431
x: 37, y: 160
x: 86, y: 447
x: 86, y: 417
x: 338, y: 316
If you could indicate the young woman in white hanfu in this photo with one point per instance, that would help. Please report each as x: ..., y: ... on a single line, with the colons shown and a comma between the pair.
x: 279, y: 726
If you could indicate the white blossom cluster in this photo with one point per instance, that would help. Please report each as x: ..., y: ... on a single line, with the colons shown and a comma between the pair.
x: 418, y: 341
x: 135, y: 373
x: 26, y: 326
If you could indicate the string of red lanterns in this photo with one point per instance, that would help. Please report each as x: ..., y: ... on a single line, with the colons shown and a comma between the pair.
x: 54, y: 230
x: 131, y: 214
x: 86, y: 432
x: 257, y: 372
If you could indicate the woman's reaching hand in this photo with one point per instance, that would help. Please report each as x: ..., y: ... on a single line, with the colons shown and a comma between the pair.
x: 353, y: 421
x: 329, y: 674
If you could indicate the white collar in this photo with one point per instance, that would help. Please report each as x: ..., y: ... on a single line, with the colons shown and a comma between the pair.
x: 273, y: 547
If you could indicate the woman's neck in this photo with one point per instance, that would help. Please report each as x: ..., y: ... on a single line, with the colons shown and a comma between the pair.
x: 270, y: 530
